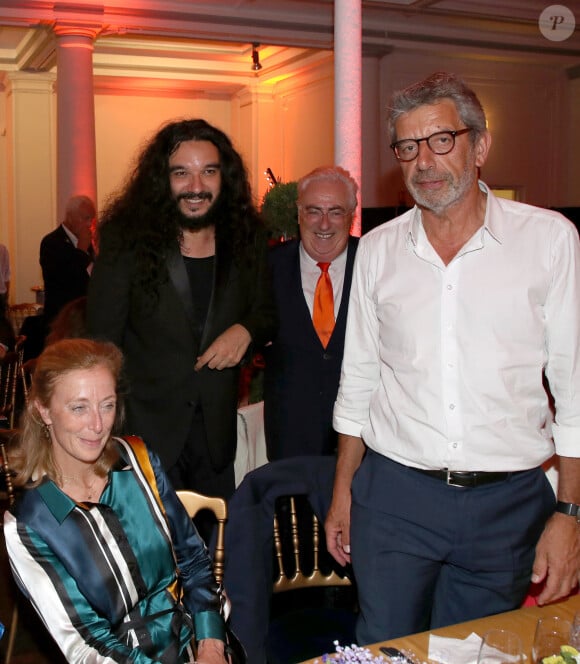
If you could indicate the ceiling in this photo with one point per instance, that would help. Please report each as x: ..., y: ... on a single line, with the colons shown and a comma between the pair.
x: 206, y: 46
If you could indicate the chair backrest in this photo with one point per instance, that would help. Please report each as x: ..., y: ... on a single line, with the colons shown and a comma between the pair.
x: 291, y: 574
x: 24, y: 374
x: 193, y: 503
x: 5, y: 472
x: 18, y: 312
x: 9, y: 373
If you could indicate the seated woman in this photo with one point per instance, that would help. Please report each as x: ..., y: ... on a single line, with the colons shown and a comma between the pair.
x: 98, y: 540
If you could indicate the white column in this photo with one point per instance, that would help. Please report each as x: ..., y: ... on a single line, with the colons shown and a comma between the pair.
x: 77, y: 167
x: 347, y: 89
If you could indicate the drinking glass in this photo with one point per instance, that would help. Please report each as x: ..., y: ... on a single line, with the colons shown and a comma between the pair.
x: 551, y: 633
x: 499, y: 646
x: 575, y: 632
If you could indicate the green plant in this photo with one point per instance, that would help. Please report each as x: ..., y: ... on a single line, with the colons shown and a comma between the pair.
x: 279, y: 210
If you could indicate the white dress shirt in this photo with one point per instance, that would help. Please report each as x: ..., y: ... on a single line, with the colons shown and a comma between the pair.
x: 310, y: 273
x: 443, y: 364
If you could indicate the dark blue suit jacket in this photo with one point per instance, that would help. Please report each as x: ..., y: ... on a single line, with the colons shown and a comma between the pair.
x: 301, y: 377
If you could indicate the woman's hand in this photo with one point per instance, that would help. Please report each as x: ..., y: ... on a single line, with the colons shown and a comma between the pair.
x: 211, y: 651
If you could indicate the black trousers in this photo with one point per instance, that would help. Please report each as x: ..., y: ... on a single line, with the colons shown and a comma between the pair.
x: 426, y: 554
x: 194, y: 471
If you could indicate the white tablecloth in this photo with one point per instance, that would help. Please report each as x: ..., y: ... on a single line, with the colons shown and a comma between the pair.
x: 251, y: 452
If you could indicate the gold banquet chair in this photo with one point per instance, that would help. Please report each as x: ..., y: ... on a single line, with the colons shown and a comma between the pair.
x: 195, y: 502
x: 18, y: 312
x: 9, y: 374
x: 310, y: 621
x: 298, y: 578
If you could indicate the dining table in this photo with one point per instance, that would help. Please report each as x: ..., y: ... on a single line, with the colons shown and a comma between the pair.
x: 521, y: 621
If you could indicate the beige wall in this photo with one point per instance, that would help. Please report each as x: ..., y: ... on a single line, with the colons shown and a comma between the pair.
x: 305, y: 116
x: 29, y: 188
x: 125, y: 123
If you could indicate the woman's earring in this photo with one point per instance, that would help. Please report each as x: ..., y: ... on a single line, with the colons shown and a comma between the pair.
x: 46, y: 431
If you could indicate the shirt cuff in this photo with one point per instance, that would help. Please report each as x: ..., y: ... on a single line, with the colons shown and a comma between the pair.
x: 209, y: 625
x: 566, y: 441
x: 347, y: 427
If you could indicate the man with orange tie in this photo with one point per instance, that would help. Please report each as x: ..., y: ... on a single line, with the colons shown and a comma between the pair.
x: 311, y: 280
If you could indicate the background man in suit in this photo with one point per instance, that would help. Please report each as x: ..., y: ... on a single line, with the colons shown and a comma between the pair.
x: 181, y: 286
x: 303, y: 369
x: 66, y: 256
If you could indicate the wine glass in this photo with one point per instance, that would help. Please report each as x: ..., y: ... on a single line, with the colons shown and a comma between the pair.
x: 500, y: 646
x: 575, y: 632
x: 551, y: 633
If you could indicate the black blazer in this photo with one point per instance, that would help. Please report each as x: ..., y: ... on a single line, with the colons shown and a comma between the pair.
x: 301, y: 377
x: 161, y: 344
x: 64, y: 270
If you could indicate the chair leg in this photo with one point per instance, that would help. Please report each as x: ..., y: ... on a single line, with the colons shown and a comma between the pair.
x: 12, y: 635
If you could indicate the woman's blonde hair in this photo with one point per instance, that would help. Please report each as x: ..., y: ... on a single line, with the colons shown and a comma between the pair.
x: 32, y: 457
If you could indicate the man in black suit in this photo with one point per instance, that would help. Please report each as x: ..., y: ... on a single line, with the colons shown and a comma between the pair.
x: 66, y: 256
x: 181, y: 286
x: 302, y: 370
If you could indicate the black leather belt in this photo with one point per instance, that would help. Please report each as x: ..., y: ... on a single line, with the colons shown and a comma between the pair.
x: 466, y: 478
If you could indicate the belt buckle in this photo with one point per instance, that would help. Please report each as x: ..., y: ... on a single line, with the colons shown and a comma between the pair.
x: 449, y: 479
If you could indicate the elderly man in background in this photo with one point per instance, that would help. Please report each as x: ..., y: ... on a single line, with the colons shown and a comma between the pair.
x: 457, y: 309
x: 67, y: 255
x: 303, y: 362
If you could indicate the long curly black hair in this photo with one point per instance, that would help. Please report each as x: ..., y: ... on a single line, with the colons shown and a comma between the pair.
x: 143, y: 217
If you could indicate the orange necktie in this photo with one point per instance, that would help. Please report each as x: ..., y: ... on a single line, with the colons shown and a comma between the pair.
x: 323, y: 309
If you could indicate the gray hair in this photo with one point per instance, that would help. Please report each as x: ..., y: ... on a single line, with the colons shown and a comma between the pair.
x: 74, y: 204
x: 440, y: 85
x: 330, y: 174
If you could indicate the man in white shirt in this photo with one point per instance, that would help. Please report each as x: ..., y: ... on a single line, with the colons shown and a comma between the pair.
x: 457, y: 309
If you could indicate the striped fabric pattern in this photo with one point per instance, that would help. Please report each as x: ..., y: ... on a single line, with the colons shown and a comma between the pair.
x: 104, y: 576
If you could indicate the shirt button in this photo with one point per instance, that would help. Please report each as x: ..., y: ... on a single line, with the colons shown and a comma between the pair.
x: 449, y: 287
x: 451, y: 406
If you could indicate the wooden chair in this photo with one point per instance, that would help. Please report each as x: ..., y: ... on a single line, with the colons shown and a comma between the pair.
x: 309, y: 623
x: 18, y: 312
x: 193, y: 503
x: 297, y: 578
x: 9, y: 498
x: 9, y: 372
x: 24, y: 374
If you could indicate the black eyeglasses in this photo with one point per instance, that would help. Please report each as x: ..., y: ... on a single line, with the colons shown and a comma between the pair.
x: 441, y: 142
